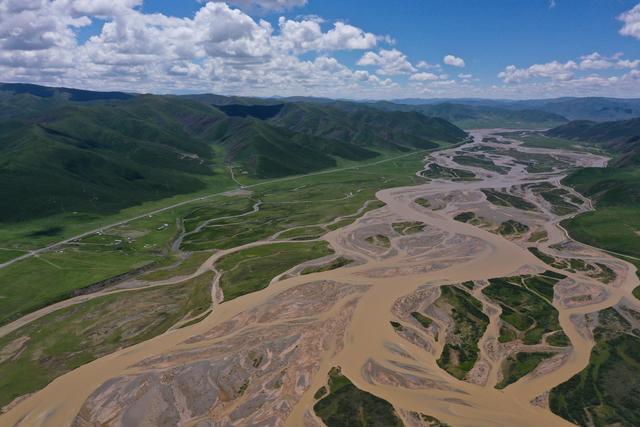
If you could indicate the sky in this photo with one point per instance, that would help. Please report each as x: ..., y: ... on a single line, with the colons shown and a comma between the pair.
x: 374, y: 49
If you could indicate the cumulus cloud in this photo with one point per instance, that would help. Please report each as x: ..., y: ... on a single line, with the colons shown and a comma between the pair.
x: 422, y: 77
x: 595, y: 61
x: 631, y: 22
x: 426, y: 65
x: 389, y: 62
x: 454, y: 61
x: 220, y: 48
x: 307, y: 35
x: 566, y: 71
x: 265, y: 5
x: 554, y: 70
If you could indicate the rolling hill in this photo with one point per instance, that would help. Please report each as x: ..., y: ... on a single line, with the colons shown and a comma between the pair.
x: 588, y: 108
x: 480, y: 116
x: 67, y: 150
x: 615, y: 224
x: 621, y: 138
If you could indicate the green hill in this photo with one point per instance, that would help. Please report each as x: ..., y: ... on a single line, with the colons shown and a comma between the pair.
x: 615, y: 224
x: 365, y: 126
x: 67, y: 150
x: 621, y: 138
x: 480, y: 116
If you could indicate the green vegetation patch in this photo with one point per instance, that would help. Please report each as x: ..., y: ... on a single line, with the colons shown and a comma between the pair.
x: 409, y: 227
x: 480, y: 161
x: 46, y: 348
x: 379, y: 240
x: 597, y: 270
x: 558, y: 339
x: 500, y: 198
x: 348, y: 406
x: 528, y: 311
x: 517, y: 366
x: 422, y: 319
x: 185, y: 267
x: 562, y: 201
x: 303, y: 233
x: 607, y: 391
x: 435, y: 171
x: 512, y: 228
x: 252, y: 269
x: 95, y: 260
x: 460, y: 352
x: 465, y: 217
x: 423, y: 202
x: 336, y: 263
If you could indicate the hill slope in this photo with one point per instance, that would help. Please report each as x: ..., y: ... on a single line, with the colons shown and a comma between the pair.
x: 479, y: 116
x: 615, y: 224
x: 622, y: 138
x: 366, y: 126
x: 66, y: 150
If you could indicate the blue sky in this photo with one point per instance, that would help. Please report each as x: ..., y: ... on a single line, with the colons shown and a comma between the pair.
x: 509, y: 48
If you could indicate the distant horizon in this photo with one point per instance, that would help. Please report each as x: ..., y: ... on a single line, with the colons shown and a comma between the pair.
x: 392, y: 100
x: 376, y: 50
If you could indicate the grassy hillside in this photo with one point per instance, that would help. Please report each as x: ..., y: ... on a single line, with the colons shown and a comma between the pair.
x: 66, y: 150
x: 478, y: 116
x: 621, y: 138
x: 589, y: 108
x: 615, y: 224
x: 365, y: 126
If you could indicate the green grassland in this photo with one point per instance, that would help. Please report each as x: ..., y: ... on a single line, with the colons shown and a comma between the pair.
x: 517, y: 366
x: 435, y: 171
x: 607, y: 391
x: 460, y: 353
x: 512, y: 228
x: 379, y: 240
x: 615, y: 224
x: 482, y: 162
x: 500, y: 198
x: 562, y: 201
x: 525, y: 303
x: 56, y: 275
x: 46, y: 348
x: 347, y: 406
x: 52, y: 276
x: 251, y: 269
x: 540, y: 140
x: 336, y: 263
x: 183, y: 268
x: 407, y: 228
x: 596, y: 270
x: 422, y: 319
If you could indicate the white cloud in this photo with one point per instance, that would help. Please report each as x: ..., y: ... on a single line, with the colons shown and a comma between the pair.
x: 631, y: 22
x: 454, y: 61
x: 226, y: 50
x: 389, y: 62
x: 422, y: 77
x: 595, y: 61
x: 554, y: 70
x: 265, y: 5
x: 424, y: 65
x: 307, y: 35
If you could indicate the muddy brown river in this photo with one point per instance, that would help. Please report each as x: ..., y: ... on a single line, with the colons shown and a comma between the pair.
x: 259, y: 359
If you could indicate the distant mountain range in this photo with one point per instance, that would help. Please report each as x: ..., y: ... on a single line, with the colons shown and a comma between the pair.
x: 592, y: 108
x: 622, y: 137
x: 64, y: 150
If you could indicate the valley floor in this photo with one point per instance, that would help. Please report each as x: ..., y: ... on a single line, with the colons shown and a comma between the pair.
x: 457, y: 300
